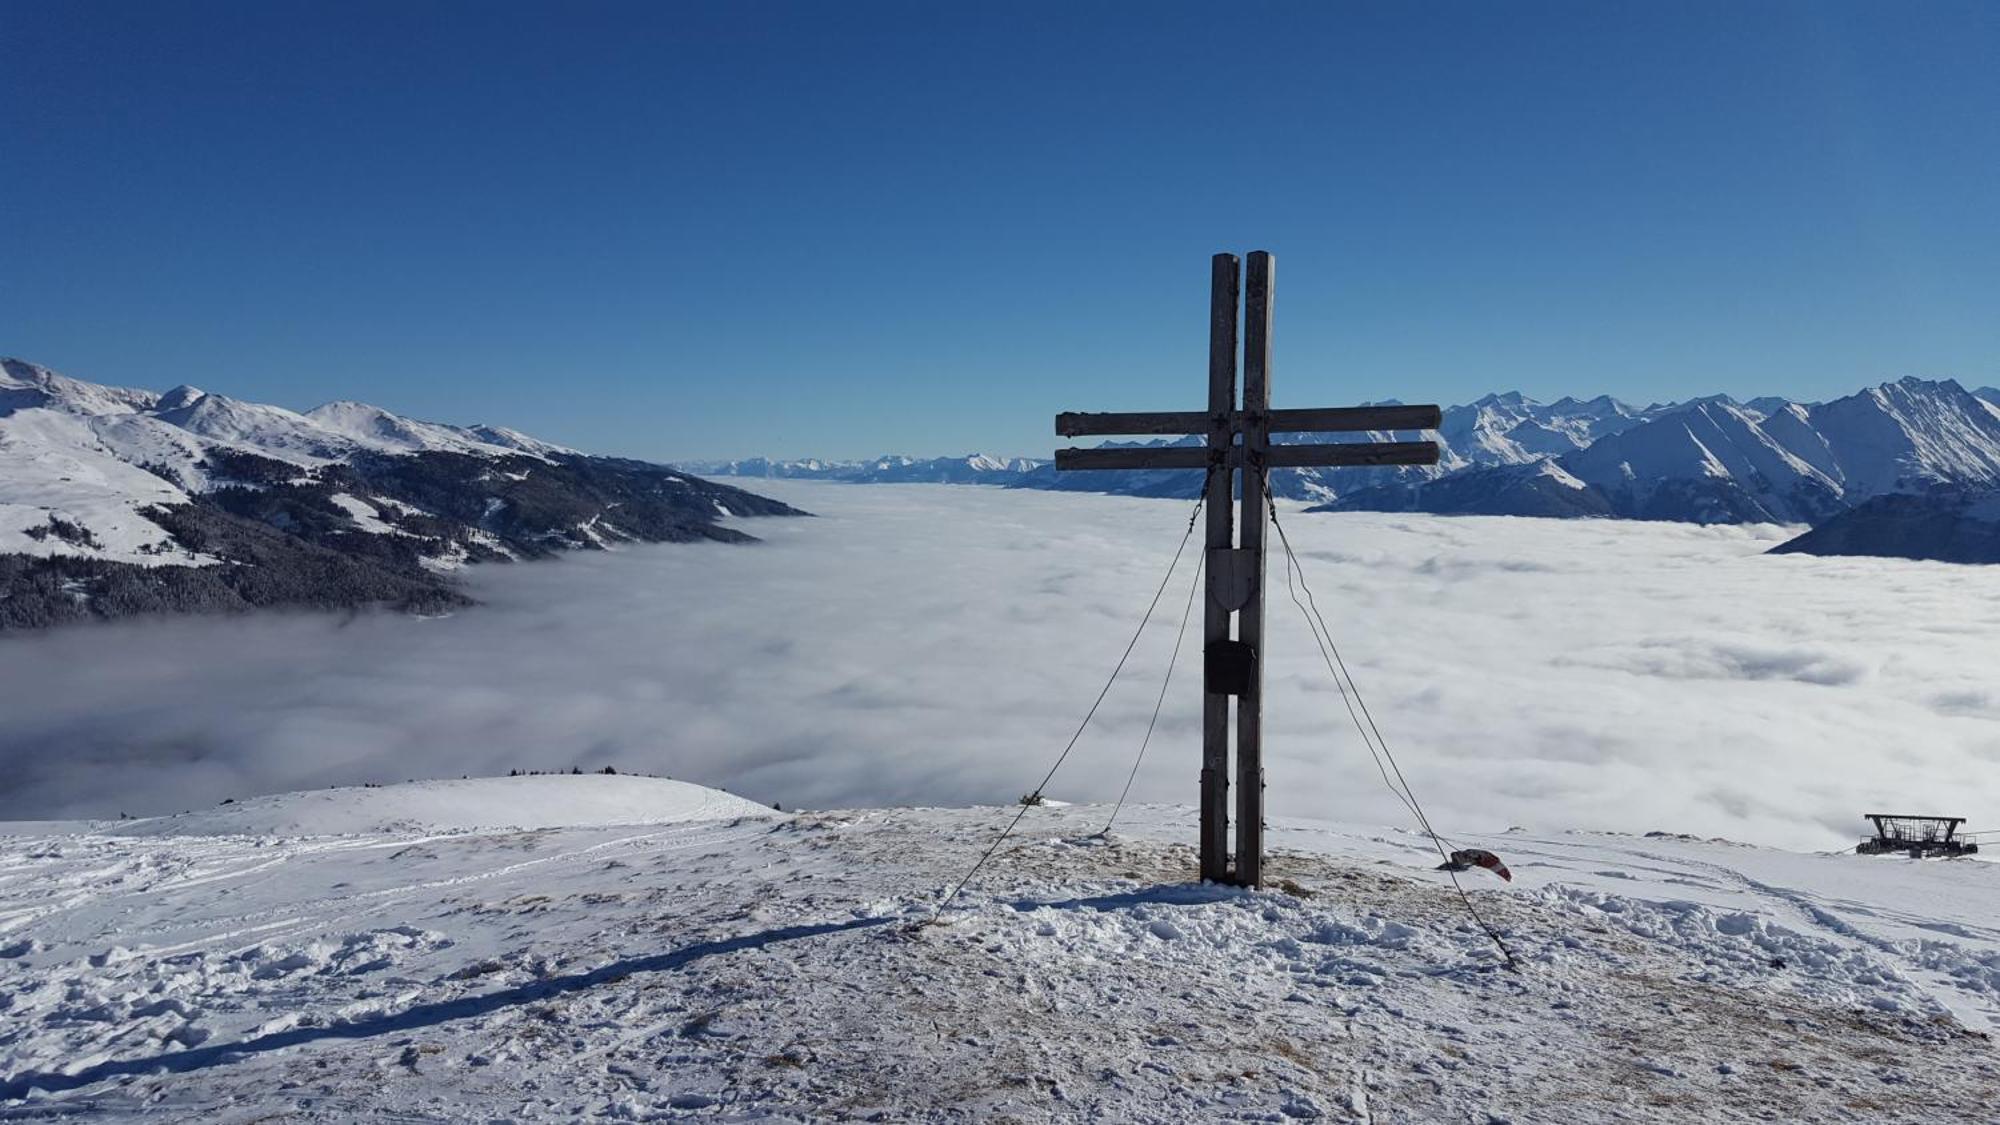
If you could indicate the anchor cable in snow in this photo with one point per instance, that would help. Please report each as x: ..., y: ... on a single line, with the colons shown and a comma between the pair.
x: 1330, y: 653
x: 1034, y: 797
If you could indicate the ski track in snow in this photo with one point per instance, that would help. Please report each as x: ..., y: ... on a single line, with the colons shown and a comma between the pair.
x: 764, y: 967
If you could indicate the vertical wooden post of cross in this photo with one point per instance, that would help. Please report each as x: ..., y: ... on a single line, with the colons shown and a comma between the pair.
x: 1225, y: 281
x: 1250, y: 621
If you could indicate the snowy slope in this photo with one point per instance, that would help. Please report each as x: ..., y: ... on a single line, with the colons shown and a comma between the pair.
x: 1910, y: 434
x: 1751, y: 477
x: 762, y: 968
x: 98, y: 456
x: 65, y: 490
x: 119, y: 503
x: 1791, y: 459
x: 559, y: 801
x: 271, y: 430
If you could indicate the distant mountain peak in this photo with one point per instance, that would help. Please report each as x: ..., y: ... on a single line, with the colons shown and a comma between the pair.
x: 1691, y: 403
x: 181, y: 397
x: 345, y: 405
x: 1599, y: 403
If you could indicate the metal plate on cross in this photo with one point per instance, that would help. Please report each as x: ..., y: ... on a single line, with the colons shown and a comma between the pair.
x: 1231, y: 666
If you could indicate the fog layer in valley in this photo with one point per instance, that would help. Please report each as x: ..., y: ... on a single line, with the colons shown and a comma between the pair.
x: 938, y: 644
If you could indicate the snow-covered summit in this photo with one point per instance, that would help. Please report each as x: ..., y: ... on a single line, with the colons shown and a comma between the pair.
x: 769, y: 968
x: 180, y: 398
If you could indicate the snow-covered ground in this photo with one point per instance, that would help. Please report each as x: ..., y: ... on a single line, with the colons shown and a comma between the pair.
x: 387, y: 954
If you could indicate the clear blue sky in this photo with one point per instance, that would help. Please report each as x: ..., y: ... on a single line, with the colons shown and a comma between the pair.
x: 679, y: 230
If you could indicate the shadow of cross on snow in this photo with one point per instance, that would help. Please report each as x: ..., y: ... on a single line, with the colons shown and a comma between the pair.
x: 421, y: 1015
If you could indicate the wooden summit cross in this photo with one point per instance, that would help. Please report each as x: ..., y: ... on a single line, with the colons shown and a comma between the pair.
x: 1236, y: 573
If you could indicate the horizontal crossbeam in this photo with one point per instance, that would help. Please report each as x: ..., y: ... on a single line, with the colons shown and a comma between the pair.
x: 1156, y: 422
x: 1335, y: 419
x: 1175, y: 457
x: 1346, y: 453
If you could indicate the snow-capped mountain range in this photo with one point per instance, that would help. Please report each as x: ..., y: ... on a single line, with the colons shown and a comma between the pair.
x: 975, y: 468
x: 1711, y: 459
x: 115, y: 501
x: 1719, y: 461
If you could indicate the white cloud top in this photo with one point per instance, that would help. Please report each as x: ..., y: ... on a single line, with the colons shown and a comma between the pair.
x: 936, y: 644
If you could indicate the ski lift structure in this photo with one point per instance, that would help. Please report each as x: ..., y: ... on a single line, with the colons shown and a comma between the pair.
x: 1919, y: 837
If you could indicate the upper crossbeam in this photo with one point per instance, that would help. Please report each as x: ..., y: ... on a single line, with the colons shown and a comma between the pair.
x: 1346, y: 453
x: 1334, y: 419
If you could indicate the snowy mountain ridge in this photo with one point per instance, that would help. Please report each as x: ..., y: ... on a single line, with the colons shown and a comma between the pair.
x: 345, y: 504
x: 1718, y: 461
x: 335, y: 431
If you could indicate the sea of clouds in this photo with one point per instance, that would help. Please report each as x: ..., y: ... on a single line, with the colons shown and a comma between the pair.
x: 938, y: 645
